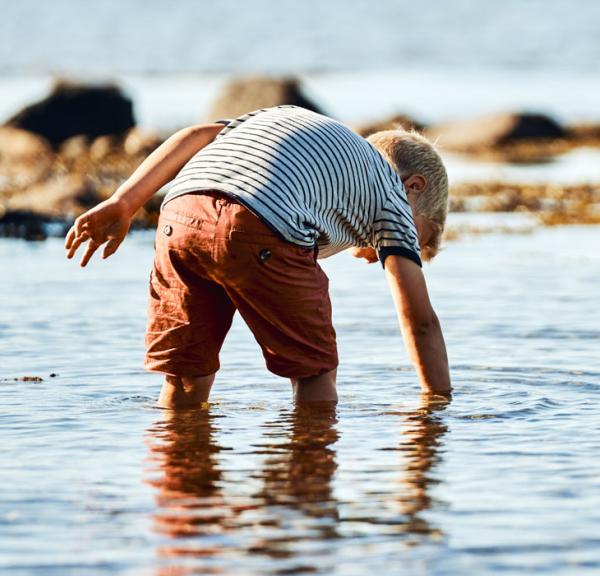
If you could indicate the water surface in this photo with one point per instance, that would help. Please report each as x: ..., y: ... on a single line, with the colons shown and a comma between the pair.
x: 95, y: 480
x: 144, y: 36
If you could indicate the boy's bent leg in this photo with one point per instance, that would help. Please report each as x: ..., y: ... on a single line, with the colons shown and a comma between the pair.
x: 189, y: 315
x: 282, y: 294
x: 316, y: 388
x: 185, y: 391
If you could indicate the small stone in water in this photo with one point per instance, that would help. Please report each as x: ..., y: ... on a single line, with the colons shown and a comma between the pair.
x: 30, y: 379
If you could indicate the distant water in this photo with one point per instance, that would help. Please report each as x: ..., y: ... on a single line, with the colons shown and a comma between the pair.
x: 361, y: 60
x: 504, y: 478
x: 202, y: 36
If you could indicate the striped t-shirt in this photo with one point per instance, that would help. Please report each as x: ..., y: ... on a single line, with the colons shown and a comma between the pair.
x: 310, y: 179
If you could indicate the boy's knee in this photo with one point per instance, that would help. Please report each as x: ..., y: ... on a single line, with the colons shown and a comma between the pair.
x: 185, y: 391
x: 320, y: 388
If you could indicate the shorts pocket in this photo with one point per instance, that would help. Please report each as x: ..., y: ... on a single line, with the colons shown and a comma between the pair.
x: 181, y: 218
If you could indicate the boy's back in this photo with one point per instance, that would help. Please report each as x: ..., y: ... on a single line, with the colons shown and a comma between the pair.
x: 309, y: 178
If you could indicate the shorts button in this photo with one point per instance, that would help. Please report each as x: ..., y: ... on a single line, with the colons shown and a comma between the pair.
x: 167, y: 230
x: 264, y: 255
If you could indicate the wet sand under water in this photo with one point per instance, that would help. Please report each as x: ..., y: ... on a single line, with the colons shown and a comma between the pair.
x: 503, y: 478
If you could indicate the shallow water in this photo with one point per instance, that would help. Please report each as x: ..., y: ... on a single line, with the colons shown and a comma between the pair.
x: 579, y: 166
x: 505, y: 477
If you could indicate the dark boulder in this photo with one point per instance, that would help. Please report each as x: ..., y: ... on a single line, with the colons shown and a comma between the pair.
x: 489, y: 132
x: 23, y: 224
x: 246, y: 94
x: 73, y: 109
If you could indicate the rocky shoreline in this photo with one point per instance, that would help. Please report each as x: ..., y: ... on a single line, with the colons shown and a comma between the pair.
x: 64, y: 154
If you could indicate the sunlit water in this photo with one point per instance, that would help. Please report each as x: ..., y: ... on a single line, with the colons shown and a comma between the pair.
x: 579, y: 166
x: 505, y: 477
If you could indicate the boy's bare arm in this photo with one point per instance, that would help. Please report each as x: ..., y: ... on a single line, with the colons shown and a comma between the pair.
x: 162, y: 165
x: 419, y: 324
x: 110, y: 220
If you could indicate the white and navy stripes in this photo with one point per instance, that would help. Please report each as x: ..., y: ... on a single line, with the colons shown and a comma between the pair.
x: 309, y: 178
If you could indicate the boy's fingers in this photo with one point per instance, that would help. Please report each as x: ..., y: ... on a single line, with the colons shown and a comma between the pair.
x: 111, y: 247
x: 80, y: 225
x: 75, y: 243
x: 92, y: 247
x: 69, y: 238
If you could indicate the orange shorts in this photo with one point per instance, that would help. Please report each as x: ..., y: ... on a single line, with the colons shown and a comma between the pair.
x: 213, y: 257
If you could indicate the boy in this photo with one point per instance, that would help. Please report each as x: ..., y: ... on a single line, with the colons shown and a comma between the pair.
x: 254, y: 201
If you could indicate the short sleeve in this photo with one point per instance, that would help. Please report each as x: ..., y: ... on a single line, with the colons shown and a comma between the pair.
x: 394, y: 230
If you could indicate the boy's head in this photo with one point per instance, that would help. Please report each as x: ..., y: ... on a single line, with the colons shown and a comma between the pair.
x: 421, y: 169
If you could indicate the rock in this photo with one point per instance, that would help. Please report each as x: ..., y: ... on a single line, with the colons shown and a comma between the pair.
x: 103, y: 146
x: 22, y: 224
x: 81, y: 154
x: 24, y: 157
x: 21, y: 146
x: 393, y: 123
x: 585, y: 133
x: 73, y: 109
x: 551, y: 203
x: 74, y: 148
x: 247, y: 94
x: 62, y: 197
x: 148, y: 216
x: 58, y: 200
x: 494, y: 131
x: 140, y: 143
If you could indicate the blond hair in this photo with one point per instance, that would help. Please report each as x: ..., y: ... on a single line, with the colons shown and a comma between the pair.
x: 411, y: 153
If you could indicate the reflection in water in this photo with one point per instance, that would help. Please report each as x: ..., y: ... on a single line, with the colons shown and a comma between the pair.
x: 295, y: 486
x: 296, y: 479
x: 184, y: 454
x: 292, y: 516
x: 422, y: 432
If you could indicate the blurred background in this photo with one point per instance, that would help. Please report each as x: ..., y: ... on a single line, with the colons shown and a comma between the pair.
x: 362, y: 60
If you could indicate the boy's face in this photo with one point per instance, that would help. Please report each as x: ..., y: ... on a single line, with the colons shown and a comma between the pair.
x: 424, y: 229
x: 424, y: 232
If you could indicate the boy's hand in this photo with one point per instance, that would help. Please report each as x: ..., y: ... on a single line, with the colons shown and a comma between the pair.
x: 108, y: 222
x: 369, y: 254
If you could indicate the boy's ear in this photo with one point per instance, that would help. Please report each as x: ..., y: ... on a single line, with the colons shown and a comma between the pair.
x: 415, y: 183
